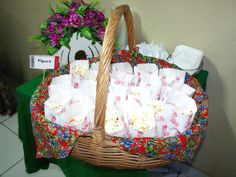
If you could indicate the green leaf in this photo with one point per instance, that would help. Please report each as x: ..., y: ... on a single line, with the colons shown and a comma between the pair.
x: 67, y: 39
x: 85, y: 31
x: 94, y: 2
x: 104, y: 22
x: 93, y: 42
x: 35, y: 37
x: 61, y: 10
x: 82, y: 9
x: 51, y: 11
x: 67, y: 42
x: 67, y: 45
x: 66, y: 3
x: 61, y: 42
x: 52, y: 50
x: 45, y: 40
x: 43, y: 25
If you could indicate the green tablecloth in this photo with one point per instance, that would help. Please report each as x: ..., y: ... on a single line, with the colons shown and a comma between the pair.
x: 70, y: 166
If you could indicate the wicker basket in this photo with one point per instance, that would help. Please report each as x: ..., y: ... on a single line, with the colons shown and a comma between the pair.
x: 99, y: 149
x: 96, y: 148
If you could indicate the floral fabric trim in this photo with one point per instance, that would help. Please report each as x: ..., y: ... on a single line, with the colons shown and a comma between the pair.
x: 55, y: 141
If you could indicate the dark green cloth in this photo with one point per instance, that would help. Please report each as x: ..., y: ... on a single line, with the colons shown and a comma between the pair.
x: 24, y: 94
x: 70, y: 166
x: 202, y: 78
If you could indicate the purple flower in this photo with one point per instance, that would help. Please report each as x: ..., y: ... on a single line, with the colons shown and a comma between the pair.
x: 74, y: 20
x: 73, y: 6
x: 54, y: 39
x: 58, y: 16
x: 88, y: 21
x: 51, y: 28
x: 101, y: 33
x: 65, y: 21
x: 91, y: 13
x: 55, y: 17
x: 81, y: 2
x: 100, y: 16
x: 60, y: 28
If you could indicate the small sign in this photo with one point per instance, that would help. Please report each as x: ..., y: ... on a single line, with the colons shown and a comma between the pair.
x: 44, y: 62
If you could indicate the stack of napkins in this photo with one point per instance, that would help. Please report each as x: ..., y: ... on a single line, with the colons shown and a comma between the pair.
x: 152, y: 50
x: 187, y: 58
x: 142, y: 101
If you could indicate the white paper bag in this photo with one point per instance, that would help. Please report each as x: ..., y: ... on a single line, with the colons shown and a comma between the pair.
x: 146, y: 68
x: 123, y: 67
x: 60, y: 83
x: 164, y: 115
x: 55, y: 88
x: 64, y: 79
x: 172, y: 77
x: 186, y: 89
x: 94, y: 66
x: 78, y: 117
x: 139, y: 94
x: 56, y: 105
x: 185, y: 108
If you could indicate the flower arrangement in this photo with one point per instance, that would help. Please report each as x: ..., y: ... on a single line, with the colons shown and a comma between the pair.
x: 75, y: 16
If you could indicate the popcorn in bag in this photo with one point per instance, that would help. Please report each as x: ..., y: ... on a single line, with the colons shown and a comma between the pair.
x: 164, y: 115
x: 78, y: 117
x: 140, y: 122
x: 114, y: 122
x: 185, y: 108
x: 139, y: 104
x: 55, y: 106
x: 78, y: 70
x: 86, y: 101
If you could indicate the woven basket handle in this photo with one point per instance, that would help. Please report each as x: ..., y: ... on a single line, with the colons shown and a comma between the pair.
x: 105, y: 60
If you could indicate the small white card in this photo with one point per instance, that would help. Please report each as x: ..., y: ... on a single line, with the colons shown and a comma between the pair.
x: 44, y: 62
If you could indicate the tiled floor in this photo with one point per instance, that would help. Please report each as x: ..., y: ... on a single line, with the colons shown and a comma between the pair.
x: 12, y: 158
x: 11, y: 153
